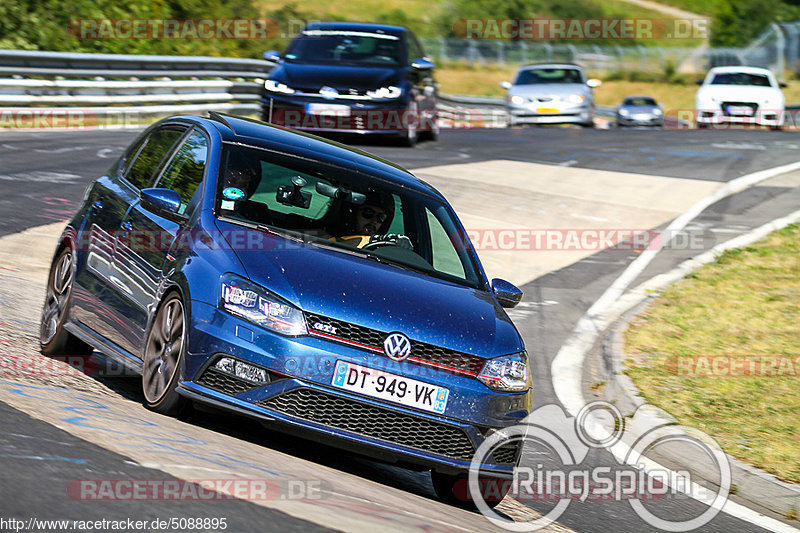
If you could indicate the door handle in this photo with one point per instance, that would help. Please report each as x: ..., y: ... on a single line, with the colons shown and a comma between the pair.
x: 97, y: 206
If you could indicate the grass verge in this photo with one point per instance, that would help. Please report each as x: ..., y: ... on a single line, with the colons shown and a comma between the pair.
x: 743, y: 307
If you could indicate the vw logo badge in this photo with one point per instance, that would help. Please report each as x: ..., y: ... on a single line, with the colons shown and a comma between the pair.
x: 397, y: 347
x: 328, y: 92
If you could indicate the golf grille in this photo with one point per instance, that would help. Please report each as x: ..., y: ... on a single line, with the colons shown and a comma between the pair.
x: 421, y: 353
x: 375, y: 422
x: 222, y: 382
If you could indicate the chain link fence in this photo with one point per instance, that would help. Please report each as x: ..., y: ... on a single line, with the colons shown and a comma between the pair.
x: 778, y: 48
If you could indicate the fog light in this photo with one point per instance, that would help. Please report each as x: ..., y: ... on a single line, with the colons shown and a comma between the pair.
x: 242, y: 370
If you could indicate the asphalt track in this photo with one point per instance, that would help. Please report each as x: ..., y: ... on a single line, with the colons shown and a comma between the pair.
x: 43, y: 175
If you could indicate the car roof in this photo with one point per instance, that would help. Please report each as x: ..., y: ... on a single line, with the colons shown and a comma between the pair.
x: 300, y: 144
x: 356, y: 26
x: 550, y: 65
x: 747, y: 70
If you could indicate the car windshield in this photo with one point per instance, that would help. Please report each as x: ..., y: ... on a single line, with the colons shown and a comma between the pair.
x: 339, y: 46
x: 356, y: 213
x: 548, y: 75
x: 741, y: 78
x: 639, y: 101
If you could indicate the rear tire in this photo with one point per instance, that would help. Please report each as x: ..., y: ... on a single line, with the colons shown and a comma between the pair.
x: 164, y: 353
x: 53, y: 338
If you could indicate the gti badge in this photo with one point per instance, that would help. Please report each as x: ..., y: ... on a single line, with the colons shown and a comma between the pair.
x: 397, y: 347
x: 325, y: 327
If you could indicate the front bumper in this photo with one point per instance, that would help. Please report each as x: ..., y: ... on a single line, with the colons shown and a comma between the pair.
x: 300, y: 397
x: 531, y: 114
x: 345, y: 116
x: 759, y: 117
x: 649, y: 121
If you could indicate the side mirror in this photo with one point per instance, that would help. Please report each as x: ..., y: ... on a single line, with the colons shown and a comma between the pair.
x: 506, y: 293
x: 505, y: 84
x: 782, y: 85
x: 272, y: 55
x: 164, y: 202
x: 699, y: 82
x: 423, y: 64
x: 592, y: 82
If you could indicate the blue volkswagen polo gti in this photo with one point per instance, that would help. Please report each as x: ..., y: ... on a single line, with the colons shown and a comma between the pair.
x: 285, y: 277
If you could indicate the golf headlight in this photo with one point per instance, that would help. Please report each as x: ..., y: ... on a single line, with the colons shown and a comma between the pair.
x: 624, y: 112
x: 517, y: 99
x: 576, y: 98
x: 508, y: 373
x: 251, y: 302
x: 386, y: 92
x: 277, y: 87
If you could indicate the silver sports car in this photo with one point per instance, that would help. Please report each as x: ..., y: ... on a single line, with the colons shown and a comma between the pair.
x: 550, y: 94
x: 640, y: 111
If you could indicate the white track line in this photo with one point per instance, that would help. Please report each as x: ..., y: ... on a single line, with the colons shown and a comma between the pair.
x: 567, y: 366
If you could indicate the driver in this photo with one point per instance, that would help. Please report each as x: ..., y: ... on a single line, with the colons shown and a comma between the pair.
x: 361, y: 222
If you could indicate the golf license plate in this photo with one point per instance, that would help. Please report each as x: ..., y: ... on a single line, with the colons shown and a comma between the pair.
x: 333, y: 110
x: 390, y: 387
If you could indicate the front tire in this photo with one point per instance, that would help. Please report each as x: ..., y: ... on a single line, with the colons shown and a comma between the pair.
x: 410, y: 136
x: 53, y: 338
x: 164, y: 353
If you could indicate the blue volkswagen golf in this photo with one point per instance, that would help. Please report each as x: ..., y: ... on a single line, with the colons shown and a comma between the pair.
x: 285, y: 277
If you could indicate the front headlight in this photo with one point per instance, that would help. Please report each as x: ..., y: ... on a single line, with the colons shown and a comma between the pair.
x: 277, y: 87
x: 508, y: 373
x: 657, y: 112
x: 624, y: 112
x: 576, y: 98
x: 517, y: 99
x: 251, y: 302
x: 386, y: 92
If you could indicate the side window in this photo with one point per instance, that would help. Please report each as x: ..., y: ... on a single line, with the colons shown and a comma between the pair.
x: 445, y: 256
x: 152, y: 152
x: 185, y: 171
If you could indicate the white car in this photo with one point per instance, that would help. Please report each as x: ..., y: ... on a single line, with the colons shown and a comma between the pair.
x: 740, y: 95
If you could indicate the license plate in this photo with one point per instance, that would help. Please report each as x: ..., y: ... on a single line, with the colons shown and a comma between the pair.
x: 336, y: 110
x: 390, y: 387
x: 546, y: 110
x: 740, y: 110
x: 641, y: 117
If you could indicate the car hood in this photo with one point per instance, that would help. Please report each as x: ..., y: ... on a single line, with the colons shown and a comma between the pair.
x: 314, y: 76
x: 549, y: 89
x: 378, y: 296
x: 740, y: 93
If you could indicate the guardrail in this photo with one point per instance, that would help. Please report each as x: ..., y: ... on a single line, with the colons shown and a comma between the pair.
x: 174, y: 84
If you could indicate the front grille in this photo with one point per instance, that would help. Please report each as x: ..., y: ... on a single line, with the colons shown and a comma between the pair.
x: 507, y: 454
x: 421, y: 353
x: 222, y: 382
x: 375, y: 422
x: 730, y: 109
